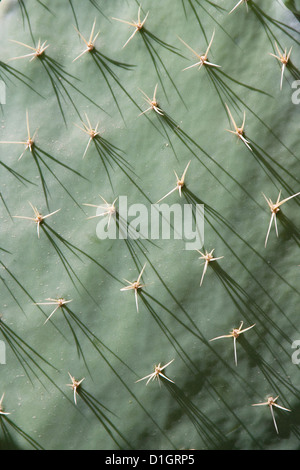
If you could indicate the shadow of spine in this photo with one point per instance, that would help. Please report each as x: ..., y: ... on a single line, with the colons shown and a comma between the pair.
x: 98, y: 410
x: 6, y: 425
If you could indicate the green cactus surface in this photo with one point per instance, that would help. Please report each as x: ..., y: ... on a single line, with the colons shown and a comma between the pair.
x: 90, y: 117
